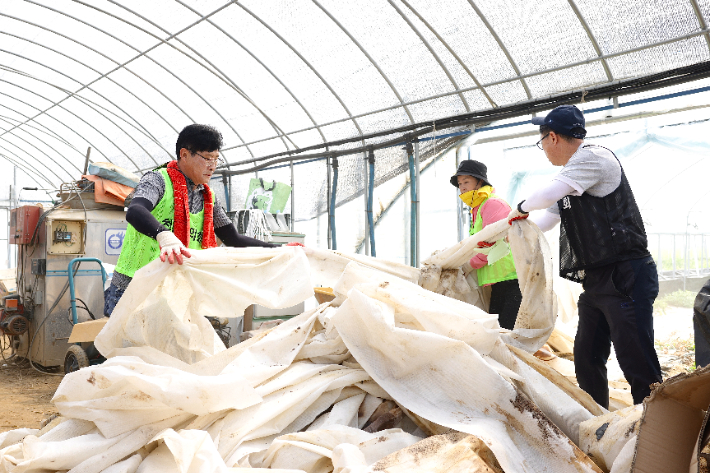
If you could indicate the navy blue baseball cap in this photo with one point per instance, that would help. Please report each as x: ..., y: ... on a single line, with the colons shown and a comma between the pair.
x: 565, y: 120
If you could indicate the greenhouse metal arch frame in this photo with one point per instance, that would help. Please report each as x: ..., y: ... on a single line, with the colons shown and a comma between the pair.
x: 283, y: 77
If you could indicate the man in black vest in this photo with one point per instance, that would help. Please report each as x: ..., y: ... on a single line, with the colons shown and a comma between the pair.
x: 603, y: 246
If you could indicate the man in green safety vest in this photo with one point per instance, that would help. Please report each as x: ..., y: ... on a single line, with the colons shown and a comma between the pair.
x: 174, y: 211
x: 486, y: 208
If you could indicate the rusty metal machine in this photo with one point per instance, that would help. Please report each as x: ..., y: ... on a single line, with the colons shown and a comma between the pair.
x: 39, y: 319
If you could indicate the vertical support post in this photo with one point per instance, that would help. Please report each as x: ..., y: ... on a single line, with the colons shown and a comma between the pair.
x: 686, y: 266
x: 333, y: 194
x: 293, y: 203
x: 674, y: 275
x: 86, y: 161
x: 227, y: 199
x: 9, y: 211
x: 370, y: 197
x: 459, y: 209
x: 327, y: 198
x: 364, y: 195
x: 229, y: 184
x: 413, y: 209
x: 416, y: 188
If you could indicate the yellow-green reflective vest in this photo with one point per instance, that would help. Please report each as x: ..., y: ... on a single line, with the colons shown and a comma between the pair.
x: 139, y: 250
x: 501, y: 270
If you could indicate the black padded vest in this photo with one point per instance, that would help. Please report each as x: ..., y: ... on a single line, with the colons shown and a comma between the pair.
x: 596, y: 231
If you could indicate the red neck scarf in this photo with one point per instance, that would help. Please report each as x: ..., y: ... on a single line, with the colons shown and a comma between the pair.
x: 181, y: 220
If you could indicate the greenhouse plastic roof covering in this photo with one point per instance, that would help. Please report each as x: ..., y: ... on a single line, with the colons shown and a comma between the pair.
x: 123, y: 77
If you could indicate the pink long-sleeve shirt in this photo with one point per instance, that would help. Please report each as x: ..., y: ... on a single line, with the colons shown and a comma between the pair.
x: 493, y: 210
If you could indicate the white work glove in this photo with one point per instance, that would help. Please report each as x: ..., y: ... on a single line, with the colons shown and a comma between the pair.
x: 517, y: 214
x: 171, y: 247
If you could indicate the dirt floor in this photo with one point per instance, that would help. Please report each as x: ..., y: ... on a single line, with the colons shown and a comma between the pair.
x: 26, y: 395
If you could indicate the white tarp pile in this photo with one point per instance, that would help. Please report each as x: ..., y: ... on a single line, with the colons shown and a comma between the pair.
x: 171, y: 398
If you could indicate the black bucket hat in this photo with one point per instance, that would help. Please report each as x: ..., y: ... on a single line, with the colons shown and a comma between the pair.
x: 473, y: 168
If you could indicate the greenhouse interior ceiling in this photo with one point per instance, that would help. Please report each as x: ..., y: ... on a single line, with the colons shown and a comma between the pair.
x: 281, y: 77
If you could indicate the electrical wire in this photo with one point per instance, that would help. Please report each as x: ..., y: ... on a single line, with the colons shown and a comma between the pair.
x: 3, y: 348
x: 86, y: 308
x: 47, y: 317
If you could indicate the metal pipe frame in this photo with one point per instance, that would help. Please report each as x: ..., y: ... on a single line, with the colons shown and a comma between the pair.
x: 113, y: 61
x: 370, y: 198
x: 413, y: 206
x: 59, y: 122
x: 47, y: 132
x: 701, y: 20
x: 141, y: 54
x: 145, y: 53
x: 603, y: 57
x: 35, y: 147
x: 466, y: 120
x: 368, y: 56
x: 293, y: 200
x: 417, y: 172
x: 327, y: 199
x: 50, y: 116
x: 20, y: 159
x: 262, y: 64
x: 93, y: 105
x: 431, y: 50
x: 588, y: 30
x: 222, y: 76
x: 308, y: 64
x: 365, y: 174
x: 57, y: 104
x: 139, y: 129
x: 127, y: 69
x: 493, y: 33
x: 333, y: 199
x: 22, y: 139
x: 279, y: 133
x: 452, y: 52
x: 401, y: 192
x: 81, y: 100
x: 28, y: 170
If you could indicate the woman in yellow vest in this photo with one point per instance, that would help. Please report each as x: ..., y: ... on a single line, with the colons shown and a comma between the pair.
x: 486, y: 208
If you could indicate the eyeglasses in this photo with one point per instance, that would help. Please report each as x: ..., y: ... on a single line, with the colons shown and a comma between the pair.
x: 216, y: 162
x: 539, y: 143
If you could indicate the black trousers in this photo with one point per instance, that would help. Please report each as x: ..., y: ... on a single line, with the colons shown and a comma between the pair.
x: 701, y: 325
x: 505, y: 301
x: 617, y: 306
x: 702, y: 346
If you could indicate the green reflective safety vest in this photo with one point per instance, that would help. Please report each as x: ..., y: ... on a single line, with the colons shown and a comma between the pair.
x: 139, y: 250
x: 501, y: 270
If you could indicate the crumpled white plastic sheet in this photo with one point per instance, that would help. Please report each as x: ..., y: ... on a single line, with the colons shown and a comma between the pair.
x: 327, y: 266
x: 533, y: 263
x: 611, y: 438
x: 298, y: 394
x: 457, y: 255
x: 165, y: 303
x: 439, y: 375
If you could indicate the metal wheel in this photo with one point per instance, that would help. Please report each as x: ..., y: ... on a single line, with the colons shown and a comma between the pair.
x: 75, y: 359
